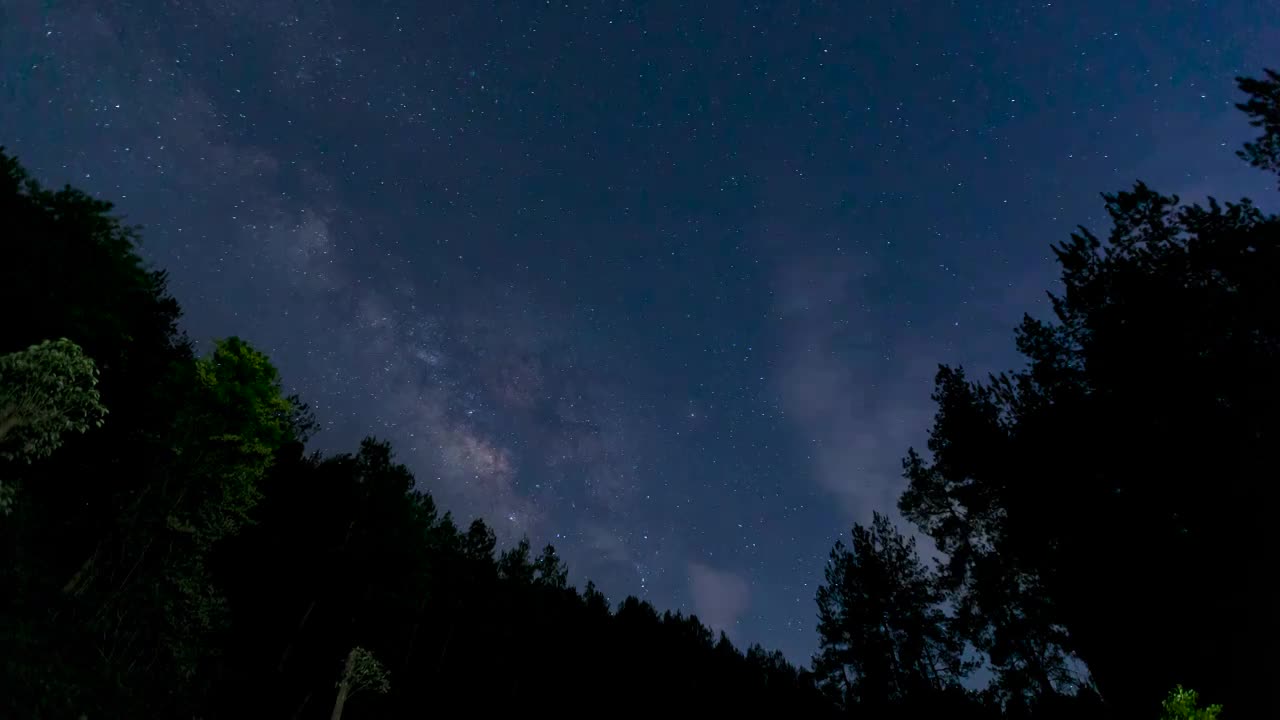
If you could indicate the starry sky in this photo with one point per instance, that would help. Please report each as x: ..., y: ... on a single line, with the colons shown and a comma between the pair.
x: 664, y: 283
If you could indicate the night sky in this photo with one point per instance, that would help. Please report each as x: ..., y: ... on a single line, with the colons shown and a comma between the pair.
x: 664, y: 284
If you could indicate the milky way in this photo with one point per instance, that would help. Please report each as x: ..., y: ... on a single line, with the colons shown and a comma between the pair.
x: 662, y: 286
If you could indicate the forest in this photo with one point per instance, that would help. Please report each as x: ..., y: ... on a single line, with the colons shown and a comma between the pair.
x: 169, y: 547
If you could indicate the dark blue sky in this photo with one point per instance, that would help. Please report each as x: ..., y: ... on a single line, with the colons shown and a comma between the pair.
x: 661, y: 283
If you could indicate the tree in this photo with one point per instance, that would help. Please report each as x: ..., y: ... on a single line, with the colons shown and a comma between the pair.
x: 1118, y: 485
x: 551, y: 570
x: 70, y: 269
x: 362, y: 672
x: 46, y: 391
x: 1263, y: 109
x: 514, y: 564
x: 1184, y: 705
x: 883, y: 637
x: 234, y: 421
x: 1001, y: 607
x: 235, y: 418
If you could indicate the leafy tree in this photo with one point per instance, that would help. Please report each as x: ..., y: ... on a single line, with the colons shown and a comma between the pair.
x: 362, y: 672
x: 1183, y: 705
x: 1117, y: 485
x: 883, y: 637
x: 551, y: 571
x: 1001, y: 607
x: 72, y: 268
x: 46, y: 391
x: 234, y: 421
x: 1263, y: 109
x: 514, y: 564
x: 346, y: 552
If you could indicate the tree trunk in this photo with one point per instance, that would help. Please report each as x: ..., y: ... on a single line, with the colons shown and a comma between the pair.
x: 302, y: 706
x: 932, y: 669
x: 1038, y: 669
x: 444, y: 647
x: 75, y: 585
x: 288, y: 648
x: 344, y: 687
x: 417, y: 626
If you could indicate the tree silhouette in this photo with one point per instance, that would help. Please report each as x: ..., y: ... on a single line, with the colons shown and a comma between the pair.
x: 1263, y: 109
x: 1116, y: 488
x: 883, y: 636
x: 72, y: 269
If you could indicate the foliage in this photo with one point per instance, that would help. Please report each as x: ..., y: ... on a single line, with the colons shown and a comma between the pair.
x: 362, y: 672
x: 883, y: 636
x: 234, y: 421
x: 1184, y: 705
x: 46, y: 391
x: 1263, y: 109
x: 347, y: 553
x: 367, y: 673
x: 72, y: 269
x: 1132, y: 449
x: 8, y: 493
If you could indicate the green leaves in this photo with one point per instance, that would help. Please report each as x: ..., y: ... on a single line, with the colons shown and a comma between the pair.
x: 367, y: 674
x: 240, y: 394
x: 1182, y: 705
x: 234, y: 420
x: 46, y: 391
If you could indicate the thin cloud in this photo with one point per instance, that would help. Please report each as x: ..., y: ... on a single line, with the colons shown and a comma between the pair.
x: 856, y: 393
x: 720, y: 597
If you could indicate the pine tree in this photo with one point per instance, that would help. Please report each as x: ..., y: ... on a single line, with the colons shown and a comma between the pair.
x: 883, y: 636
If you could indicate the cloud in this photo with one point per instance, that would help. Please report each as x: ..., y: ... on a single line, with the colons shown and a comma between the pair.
x: 856, y: 392
x: 720, y: 597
